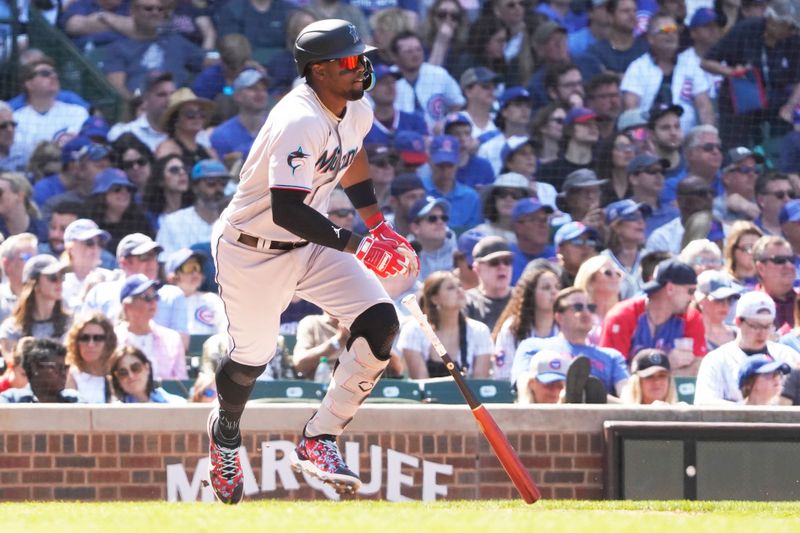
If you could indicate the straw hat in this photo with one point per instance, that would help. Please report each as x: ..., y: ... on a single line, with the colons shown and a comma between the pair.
x: 183, y: 96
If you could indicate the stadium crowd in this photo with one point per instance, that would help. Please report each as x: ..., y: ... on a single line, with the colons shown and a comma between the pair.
x: 604, y: 194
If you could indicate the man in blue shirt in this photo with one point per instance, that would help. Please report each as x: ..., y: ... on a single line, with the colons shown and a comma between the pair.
x: 622, y: 45
x: 465, y: 211
x: 531, y: 224
x: 238, y: 133
x: 387, y: 119
x: 581, y: 41
x: 472, y: 170
x: 646, y: 181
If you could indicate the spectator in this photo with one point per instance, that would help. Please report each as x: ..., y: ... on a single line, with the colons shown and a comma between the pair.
x: 790, y: 393
x: 575, y: 243
x: 63, y: 214
x: 14, y: 253
x: 44, y: 118
x: 406, y: 190
x: 622, y: 46
x: 614, y: 154
x: 192, y: 225
x: 32, y: 55
x: 470, y: 344
x: 715, y: 295
x: 580, y: 195
x: 386, y: 23
x: 560, y: 11
x: 573, y: 315
x: 162, y: 346
x: 660, y: 319
x: 465, y: 203
x: 601, y: 280
x: 478, y: 85
x: 428, y: 226
x: 130, y: 60
x: 666, y: 136
x: 658, y: 77
x: 776, y: 273
x: 760, y: 380
x: 193, y: 22
x: 530, y: 220
x: 84, y: 242
x: 215, y: 82
x: 563, y: 84
x: 39, y: 312
x: 204, y: 389
x: 43, y: 361
x: 424, y: 88
x: 705, y: 31
x: 739, y: 178
x: 740, y: 265
x: 158, y: 87
x: 184, y: 120
x: 281, y: 66
x: 528, y: 314
x: 703, y: 153
x: 90, y: 343
x: 519, y: 156
x: 18, y: 213
x: 445, y: 32
x: 205, y: 314
x: 633, y: 122
x: 44, y: 161
x: 625, y: 238
x: 14, y: 376
x: 92, y: 160
x: 547, y: 131
x: 96, y: 129
x: 135, y: 158
x: 581, y: 134
x: 236, y: 135
x: 382, y: 161
x: 388, y: 121
x: 112, y: 207
x: 499, y: 199
x: 132, y: 378
x: 513, y: 116
x: 694, y: 199
x: 517, y: 49
x: 491, y: 261
x: 410, y: 146
x: 773, y: 192
x: 543, y: 382
x: 651, y: 381
x: 603, y: 96
x: 318, y: 336
x: 168, y: 189
x: 472, y: 170
x: 582, y: 40
x: 340, y: 210
x: 790, y: 216
x: 136, y: 254
x: 717, y: 380
x: 646, y: 177
x: 771, y: 47
x: 262, y: 22
x: 10, y: 159
x: 95, y: 24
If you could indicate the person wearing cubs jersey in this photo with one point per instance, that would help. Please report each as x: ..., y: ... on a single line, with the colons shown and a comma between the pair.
x: 273, y: 242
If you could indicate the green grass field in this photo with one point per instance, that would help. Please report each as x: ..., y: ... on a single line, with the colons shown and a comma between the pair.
x: 417, y: 517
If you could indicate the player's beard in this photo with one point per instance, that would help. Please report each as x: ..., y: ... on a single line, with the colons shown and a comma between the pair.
x: 355, y: 94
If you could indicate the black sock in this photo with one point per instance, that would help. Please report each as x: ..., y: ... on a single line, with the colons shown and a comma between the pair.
x: 232, y: 397
x: 226, y: 430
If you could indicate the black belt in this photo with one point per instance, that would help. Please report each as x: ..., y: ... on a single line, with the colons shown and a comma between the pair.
x: 249, y: 240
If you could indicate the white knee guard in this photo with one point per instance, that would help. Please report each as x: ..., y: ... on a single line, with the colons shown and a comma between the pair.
x: 355, y: 376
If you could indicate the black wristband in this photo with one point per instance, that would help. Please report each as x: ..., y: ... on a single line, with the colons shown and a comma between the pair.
x: 362, y: 194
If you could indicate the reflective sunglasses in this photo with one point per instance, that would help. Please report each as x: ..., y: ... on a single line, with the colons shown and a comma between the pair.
x: 176, y: 169
x: 778, y: 259
x: 128, y: 165
x: 433, y: 219
x: 87, y: 338
x: 624, y: 147
x: 22, y: 256
x: 745, y: 249
x: 497, y: 261
x: 341, y: 213
x: 349, y: 62
x: 134, y: 370
x: 190, y: 268
x: 579, y: 307
x: 667, y: 29
x: 148, y: 297
x: 7, y: 124
x: 583, y: 242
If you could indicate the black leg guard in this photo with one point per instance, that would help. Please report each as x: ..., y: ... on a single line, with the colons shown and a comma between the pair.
x: 235, y: 382
x: 378, y: 325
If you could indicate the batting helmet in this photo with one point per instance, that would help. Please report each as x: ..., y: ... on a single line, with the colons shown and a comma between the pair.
x: 327, y: 39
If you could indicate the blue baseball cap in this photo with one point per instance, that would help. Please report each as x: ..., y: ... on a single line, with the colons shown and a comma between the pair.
x: 84, y: 229
x: 423, y: 206
x: 83, y: 148
x: 760, y: 364
x: 526, y: 206
x: 512, y: 144
x: 176, y: 259
x: 109, y: 178
x: 444, y: 149
x: 381, y: 71
x: 572, y: 230
x: 579, y: 115
x: 410, y: 146
x: 467, y: 242
x: 455, y: 118
x: 703, y: 17
x: 790, y: 212
x: 646, y: 160
x: 626, y: 210
x: 209, y: 168
x: 137, y: 284
x: 95, y: 126
x: 514, y: 93
x: 404, y: 183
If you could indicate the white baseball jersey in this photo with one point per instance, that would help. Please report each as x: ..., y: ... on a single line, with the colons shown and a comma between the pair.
x: 302, y: 146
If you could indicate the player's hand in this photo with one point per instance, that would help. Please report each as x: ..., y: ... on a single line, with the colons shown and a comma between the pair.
x: 382, y: 257
x: 384, y: 232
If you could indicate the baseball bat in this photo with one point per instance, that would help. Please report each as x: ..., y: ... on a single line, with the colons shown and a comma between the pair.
x: 497, y: 440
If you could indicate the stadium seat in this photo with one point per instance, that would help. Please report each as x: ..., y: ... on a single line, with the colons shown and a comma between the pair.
x: 444, y: 390
x: 287, y: 391
x: 396, y: 391
x: 685, y: 388
x: 181, y: 387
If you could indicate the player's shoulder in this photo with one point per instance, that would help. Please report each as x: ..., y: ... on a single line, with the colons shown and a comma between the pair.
x: 299, y: 105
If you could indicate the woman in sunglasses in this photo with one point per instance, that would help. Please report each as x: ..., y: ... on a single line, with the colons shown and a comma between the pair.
x: 132, y: 378
x: 167, y: 190
x: 738, y: 253
x: 185, y: 120
x: 90, y: 343
x: 613, y: 156
x: 111, y: 206
x: 547, y: 131
x: 498, y: 203
x: 135, y: 158
x: 205, y: 314
x: 444, y: 34
x: 601, y: 279
x: 715, y: 295
x: 625, y: 239
x: 83, y: 245
x: 467, y: 341
x: 651, y: 380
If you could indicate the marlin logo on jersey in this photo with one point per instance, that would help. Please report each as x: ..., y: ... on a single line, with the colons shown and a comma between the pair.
x: 327, y: 163
x: 296, y: 159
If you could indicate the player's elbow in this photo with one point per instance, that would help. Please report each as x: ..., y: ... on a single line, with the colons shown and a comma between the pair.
x: 287, y: 207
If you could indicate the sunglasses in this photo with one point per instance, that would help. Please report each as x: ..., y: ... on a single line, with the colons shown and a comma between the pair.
x: 215, y: 182
x: 86, y: 338
x: 7, y: 124
x: 782, y: 195
x: 652, y: 170
x: 349, y: 62
x: 190, y: 268
x: 746, y: 169
x: 514, y: 194
x: 134, y: 370
x: 144, y: 258
x: 148, y: 297
x: 711, y: 147
x: 92, y: 243
x: 745, y: 249
x: 128, y: 165
x: 341, y: 213
x: 452, y: 15
x: 778, y: 259
x: 759, y: 327
x: 382, y: 163
x: 497, y: 261
x: 52, y: 278
x: 579, y: 307
x: 118, y: 188
x: 667, y: 29
x: 191, y: 115
x: 177, y: 169
x: 583, y: 242
x: 433, y: 219
x: 45, y: 73
x: 624, y: 147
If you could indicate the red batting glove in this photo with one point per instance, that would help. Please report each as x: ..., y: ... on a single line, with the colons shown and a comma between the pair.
x: 384, y: 232
x: 382, y: 257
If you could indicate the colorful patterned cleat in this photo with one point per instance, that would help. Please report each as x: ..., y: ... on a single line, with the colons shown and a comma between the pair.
x: 320, y: 457
x: 224, y: 470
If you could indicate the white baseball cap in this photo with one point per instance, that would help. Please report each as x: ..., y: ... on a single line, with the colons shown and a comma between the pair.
x: 548, y: 366
x: 755, y: 304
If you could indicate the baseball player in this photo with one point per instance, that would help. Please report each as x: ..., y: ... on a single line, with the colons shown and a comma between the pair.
x: 273, y: 242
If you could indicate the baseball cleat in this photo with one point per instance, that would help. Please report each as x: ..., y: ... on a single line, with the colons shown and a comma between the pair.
x: 320, y: 457
x: 224, y: 469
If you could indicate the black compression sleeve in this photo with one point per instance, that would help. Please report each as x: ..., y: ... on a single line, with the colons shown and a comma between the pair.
x: 290, y: 213
x: 362, y: 194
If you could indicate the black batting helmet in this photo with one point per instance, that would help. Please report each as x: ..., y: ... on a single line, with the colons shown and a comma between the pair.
x: 327, y: 39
